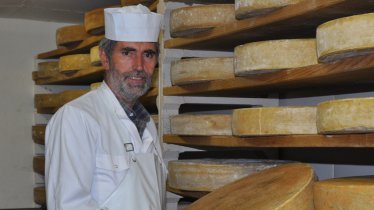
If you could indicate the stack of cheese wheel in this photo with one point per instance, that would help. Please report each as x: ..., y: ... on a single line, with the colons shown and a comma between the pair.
x: 285, y: 187
x: 344, y: 193
x: 70, y: 36
x: 274, y: 121
x: 186, y: 21
x: 212, y: 124
x: 69, y: 63
x: 345, y: 37
x: 211, y: 174
x: 94, y: 21
x: 94, y: 56
x: 269, y: 56
x: 47, y: 69
x: 192, y: 70
x: 250, y: 8
x: 346, y: 116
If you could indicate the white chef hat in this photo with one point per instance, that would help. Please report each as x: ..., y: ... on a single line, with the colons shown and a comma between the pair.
x: 132, y: 24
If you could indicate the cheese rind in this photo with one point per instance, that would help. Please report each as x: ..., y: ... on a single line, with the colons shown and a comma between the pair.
x: 47, y: 69
x: 250, y: 8
x: 285, y: 187
x: 186, y: 21
x: 70, y: 36
x: 344, y: 193
x: 211, y: 174
x: 74, y: 62
x: 346, y: 116
x: 193, y: 70
x: 94, y: 86
x: 94, y: 56
x: 345, y: 37
x: 274, y: 55
x: 94, y: 21
x: 274, y: 121
x: 215, y: 124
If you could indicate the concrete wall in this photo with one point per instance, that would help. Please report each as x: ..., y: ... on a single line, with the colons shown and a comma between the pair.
x: 20, y: 42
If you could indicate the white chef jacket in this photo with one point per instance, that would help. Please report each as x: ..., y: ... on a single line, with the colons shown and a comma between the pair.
x: 85, y: 154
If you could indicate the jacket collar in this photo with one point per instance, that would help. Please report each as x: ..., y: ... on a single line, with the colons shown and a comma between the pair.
x: 111, y: 101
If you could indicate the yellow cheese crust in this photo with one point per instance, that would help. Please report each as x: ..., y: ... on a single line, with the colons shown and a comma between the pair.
x: 193, y: 70
x: 211, y: 174
x: 74, y: 62
x: 47, y: 69
x: 250, y: 8
x: 274, y: 55
x: 345, y: 37
x: 94, y: 21
x: 215, y: 124
x: 186, y: 21
x: 70, y: 36
x: 274, y: 121
x: 285, y: 187
x: 344, y: 194
x: 94, y: 56
x: 346, y: 116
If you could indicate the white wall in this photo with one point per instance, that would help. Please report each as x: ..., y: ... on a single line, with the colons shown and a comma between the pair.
x: 20, y: 42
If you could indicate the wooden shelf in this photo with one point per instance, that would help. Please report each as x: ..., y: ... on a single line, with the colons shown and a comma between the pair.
x: 50, y: 103
x: 291, y: 141
x: 293, y: 21
x: 347, y: 72
x: 83, y: 47
x: 38, y: 133
x: 82, y: 77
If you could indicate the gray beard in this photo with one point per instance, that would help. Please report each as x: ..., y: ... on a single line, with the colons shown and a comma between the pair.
x: 123, y: 89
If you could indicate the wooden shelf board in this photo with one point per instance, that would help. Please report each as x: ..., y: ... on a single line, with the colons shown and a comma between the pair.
x: 185, y: 193
x: 350, y: 71
x: 287, y: 141
x: 86, y: 76
x: 293, y: 21
x: 83, y: 47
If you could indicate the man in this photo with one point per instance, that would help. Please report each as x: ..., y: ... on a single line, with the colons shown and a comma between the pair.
x: 102, y: 149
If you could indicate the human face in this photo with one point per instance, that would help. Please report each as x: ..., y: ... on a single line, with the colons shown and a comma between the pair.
x: 130, y: 70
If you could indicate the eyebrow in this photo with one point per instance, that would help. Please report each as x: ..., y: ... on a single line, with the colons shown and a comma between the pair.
x: 128, y: 49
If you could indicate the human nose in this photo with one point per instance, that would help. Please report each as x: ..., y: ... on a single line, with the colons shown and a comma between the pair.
x: 139, y: 63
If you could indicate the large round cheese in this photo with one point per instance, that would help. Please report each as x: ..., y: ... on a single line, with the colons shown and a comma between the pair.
x: 94, y: 21
x: 155, y: 78
x: 94, y: 56
x: 347, y: 193
x: 346, y: 116
x: 215, y: 124
x: 211, y: 174
x: 345, y: 37
x: 47, y: 69
x: 269, y: 56
x: 250, y: 8
x: 192, y: 70
x: 193, y: 19
x: 285, y: 187
x: 75, y: 62
x: 274, y: 121
x: 70, y: 36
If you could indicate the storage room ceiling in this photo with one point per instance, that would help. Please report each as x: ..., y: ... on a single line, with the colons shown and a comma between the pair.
x: 71, y: 11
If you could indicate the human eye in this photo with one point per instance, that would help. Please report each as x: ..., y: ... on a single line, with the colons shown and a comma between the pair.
x: 149, y: 53
x: 127, y: 51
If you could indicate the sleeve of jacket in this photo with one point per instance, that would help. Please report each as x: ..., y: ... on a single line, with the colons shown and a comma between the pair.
x: 71, y: 137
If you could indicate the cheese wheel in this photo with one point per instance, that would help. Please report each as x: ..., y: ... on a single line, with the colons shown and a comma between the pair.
x: 75, y: 62
x: 274, y: 121
x: 217, y: 124
x: 94, y: 56
x: 47, y: 69
x: 285, y: 187
x: 155, y: 79
x: 94, y: 21
x: 70, y: 36
x: 193, y: 70
x: 344, y: 193
x: 345, y: 37
x: 211, y: 174
x: 346, y: 116
x: 250, y: 8
x: 39, y: 164
x: 186, y: 21
x: 274, y: 55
